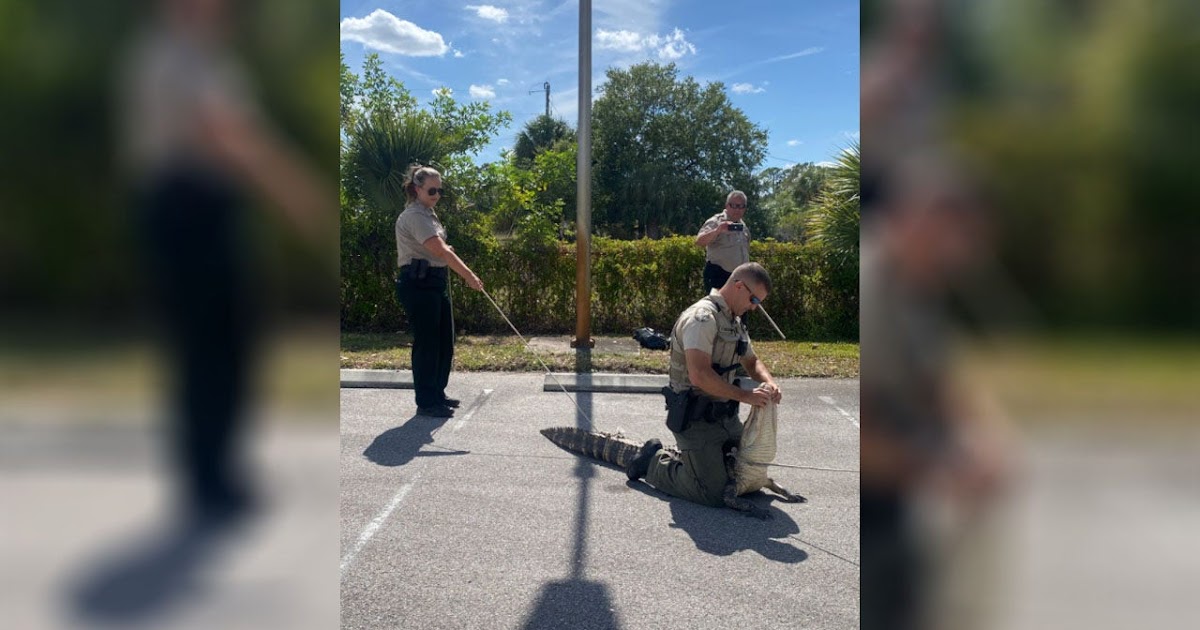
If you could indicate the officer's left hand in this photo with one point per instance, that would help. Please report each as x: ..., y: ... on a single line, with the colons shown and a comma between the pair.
x: 770, y: 389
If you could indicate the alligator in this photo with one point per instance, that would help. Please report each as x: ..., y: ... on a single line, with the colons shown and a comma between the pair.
x: 746, y: 464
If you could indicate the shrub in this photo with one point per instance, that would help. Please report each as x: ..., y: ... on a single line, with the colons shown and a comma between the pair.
x: 634, y: 284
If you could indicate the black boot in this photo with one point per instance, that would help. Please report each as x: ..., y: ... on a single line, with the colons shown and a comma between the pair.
x: 638, y: 466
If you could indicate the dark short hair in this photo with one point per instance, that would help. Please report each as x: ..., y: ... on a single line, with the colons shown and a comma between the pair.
x: 752, y: 272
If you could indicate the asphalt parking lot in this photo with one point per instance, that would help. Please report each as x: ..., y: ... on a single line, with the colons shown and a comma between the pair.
x: 477, y: 521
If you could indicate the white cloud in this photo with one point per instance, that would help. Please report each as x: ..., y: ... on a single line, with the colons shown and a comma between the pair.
x: 669, y: 47
x: 853, y: 135
x: 794, y: 143
x: 675, y: 46
x: 482, y: 91
x: 489, y: 12
x: 458, y: 54
x: 501, y: 81
x: 385, y: 32
x: 747, y: 88
x: 622, y: 41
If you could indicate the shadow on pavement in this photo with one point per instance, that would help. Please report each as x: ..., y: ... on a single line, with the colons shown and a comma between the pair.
x: 398, y: 446
x: 574, y: 603
x: 577, y: 602
x: 149, y: 578
x: 722, y: 531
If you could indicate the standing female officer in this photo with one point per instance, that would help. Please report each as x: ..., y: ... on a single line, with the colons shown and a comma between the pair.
x: 423, y: 256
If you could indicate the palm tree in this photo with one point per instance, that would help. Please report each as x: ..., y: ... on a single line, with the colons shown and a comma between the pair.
x: 540, y: 134
x: 834, y: 221
x: 381, y: 149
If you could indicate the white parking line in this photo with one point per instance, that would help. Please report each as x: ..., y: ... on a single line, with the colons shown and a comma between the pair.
x: 829, y: 401
x: 378, y: 521
x: 458, y: 425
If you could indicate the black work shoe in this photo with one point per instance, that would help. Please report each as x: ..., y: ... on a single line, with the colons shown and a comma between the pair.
x: 435, y: 411
x: 640, y: 465
x: 452, y: 403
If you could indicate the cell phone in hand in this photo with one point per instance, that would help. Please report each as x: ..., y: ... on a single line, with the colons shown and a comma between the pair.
x: 737, y: 227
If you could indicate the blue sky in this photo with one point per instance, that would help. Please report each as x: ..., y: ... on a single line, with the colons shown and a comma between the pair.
x: 790, y: 65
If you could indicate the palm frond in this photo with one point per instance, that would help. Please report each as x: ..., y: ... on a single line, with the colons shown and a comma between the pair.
x: 835, y: 219
x: 381, y: 149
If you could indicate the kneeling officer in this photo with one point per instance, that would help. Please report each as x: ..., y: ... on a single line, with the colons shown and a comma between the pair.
x: 709, y: 341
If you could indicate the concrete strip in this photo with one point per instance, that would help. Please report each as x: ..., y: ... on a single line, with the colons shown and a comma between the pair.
x: 618, y: 383
x: 606, y: 383
x: 609, y: 383
x: 378, y: 379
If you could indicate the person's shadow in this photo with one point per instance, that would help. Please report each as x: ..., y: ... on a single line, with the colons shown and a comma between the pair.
x: 399, y: 445
x: 722, y: 531
x: 148, y: 578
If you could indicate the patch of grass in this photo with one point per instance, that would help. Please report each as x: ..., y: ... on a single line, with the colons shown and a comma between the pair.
x: 785, y: 359
x: 294, y: 371
x: 1129, y: 380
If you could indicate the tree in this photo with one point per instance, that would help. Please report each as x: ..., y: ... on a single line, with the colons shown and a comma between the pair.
x: 668, y: 150
x: 374, y: 94
x: 789, y: 194
x: 539, y: 134
x: 834, y: 221
x: 468, y: 127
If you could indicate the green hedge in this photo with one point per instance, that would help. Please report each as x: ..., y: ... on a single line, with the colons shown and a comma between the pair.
x: 634, y: 284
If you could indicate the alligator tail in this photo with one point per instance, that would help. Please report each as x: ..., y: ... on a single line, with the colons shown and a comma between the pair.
x: 613, y: 448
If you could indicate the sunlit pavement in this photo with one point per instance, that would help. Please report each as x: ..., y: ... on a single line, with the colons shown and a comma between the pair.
x: 477, y: 521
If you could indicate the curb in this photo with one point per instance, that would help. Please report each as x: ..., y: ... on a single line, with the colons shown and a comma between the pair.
x: 377, y: 379
x: 606, y: 383
x: 598, y: 383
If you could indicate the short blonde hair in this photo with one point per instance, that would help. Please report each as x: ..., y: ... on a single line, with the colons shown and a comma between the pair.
x: 415, y: 178
x: 752, y: 272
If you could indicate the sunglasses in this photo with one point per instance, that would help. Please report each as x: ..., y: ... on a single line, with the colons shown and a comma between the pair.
x: 435, y: 191
x: 753, y: 298
x: 737, y: 206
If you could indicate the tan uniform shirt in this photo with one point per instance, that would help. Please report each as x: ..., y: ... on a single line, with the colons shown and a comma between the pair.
x: 707, y: 325
x: 168, y: 83
x: 729, y: 249
x: 414, y: 226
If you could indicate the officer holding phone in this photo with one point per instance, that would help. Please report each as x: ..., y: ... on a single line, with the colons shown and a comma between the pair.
x: 726, y: 241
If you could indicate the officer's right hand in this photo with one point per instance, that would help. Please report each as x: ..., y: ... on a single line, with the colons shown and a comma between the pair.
x: 724, y: 226
x: 474, y: 282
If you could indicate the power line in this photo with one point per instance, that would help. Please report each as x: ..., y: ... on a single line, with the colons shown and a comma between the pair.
x: 792, y: 161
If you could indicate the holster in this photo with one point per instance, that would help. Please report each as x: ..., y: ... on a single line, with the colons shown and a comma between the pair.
x: 686, y: 408
x: 418, y: 273
x: 677, y: 409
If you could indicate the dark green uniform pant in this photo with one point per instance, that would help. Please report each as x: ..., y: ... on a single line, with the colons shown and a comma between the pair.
x: 432, y: 325
x: 698, y: 473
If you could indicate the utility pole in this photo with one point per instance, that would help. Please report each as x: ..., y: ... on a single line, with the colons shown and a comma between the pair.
x: 546, y: 88
x: 583, y: 186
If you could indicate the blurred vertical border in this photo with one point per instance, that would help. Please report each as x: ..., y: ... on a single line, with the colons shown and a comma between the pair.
x: 81, y: 384
x: 1073, y: 124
